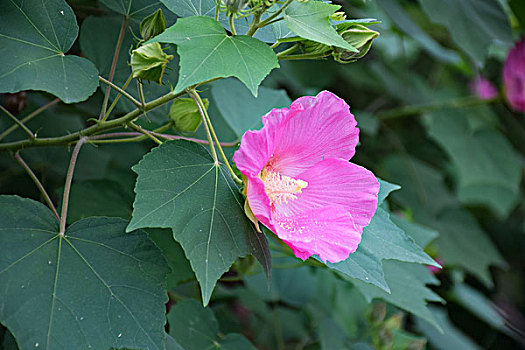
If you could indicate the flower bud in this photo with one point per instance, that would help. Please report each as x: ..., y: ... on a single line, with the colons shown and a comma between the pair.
x: 483, y: 89
x: 235, y: 6
x: 152, y: 25
x: 148, y: 62
x: 356, y: 35
x: 514, y: 76
x: 185, y: 114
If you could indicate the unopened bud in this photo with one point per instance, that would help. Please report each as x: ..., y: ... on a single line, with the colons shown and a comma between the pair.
x: 235, y: 6
x: 152, y: 25
x: 148, y: 62
x: 356, y: 35
x: 185, y: 114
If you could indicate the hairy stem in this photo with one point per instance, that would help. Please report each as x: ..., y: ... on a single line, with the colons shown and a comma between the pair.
x: 121, y: 91
x: 214, y: 135
x: 137, y: 136
x: 113, y: 66
x: 196, y: 98
x: 29, y: 117
x: 18, y: 122
x: 38, y: 184
x: 143, y: 131
x: 92, y: 130
x: 255, y: 26
x: 67, y: 186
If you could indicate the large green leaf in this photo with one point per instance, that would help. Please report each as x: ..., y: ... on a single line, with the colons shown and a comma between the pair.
x: 195, y: 328
x: 137, y: 9
x: 96, y: 287
x: 179, y: 186
x: 488, y: 168
x: 408, y: 288
x: 310, y: 20
x: 382, y: 239
x: 240, y: 109
x: 206, y: 52
x: 473, y: 24
x: 34, y: 37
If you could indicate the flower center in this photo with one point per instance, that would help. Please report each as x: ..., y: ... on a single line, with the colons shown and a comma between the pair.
x: 281, y: 188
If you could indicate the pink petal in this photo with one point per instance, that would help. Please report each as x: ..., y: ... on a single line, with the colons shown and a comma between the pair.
x: 316, y: 128
x: 294, y: 139
x: 336, y: 182
x: 259, y: 202
x: 328, y: 232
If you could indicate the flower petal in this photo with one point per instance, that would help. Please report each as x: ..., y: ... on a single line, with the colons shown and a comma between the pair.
x: 336, y: 182
x: 328, y: 232
x: 316, y: 128
x: 259, y: 201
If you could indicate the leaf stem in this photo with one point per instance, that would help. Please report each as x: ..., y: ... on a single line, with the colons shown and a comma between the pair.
x: 92, y: 130
x: 121, y: 91
x: 232, y: 25
x: 268, y: 20
x: 67, y: 186
x: 38, y: 184
x: 214, y: 135
x: 114, y: 103
x: 29, y: 117
x: 113, y: 66
x: 196, y: 98
x: 18, y: 122
x: 288, y: 51
x: 140, y: 136
x: 406, y: 111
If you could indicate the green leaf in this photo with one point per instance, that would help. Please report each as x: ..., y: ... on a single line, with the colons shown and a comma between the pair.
x: 137, y: 9
x: 382, y: 239
x: 408, y: 289
x: 422, y: 235
x: 174, y: 254
x: 97, y: 287
x: 474, y: 25
x: 449, y: 338
x: 463, y: 243
x: 179, y: 186
x: 240, y: 109
x: 37, y: 34
x: 488, y: 168
x: 195, y: 328
x: 385, y: 189
x: 402, y: 19
x: 206, y: 52
x: 310, y: 20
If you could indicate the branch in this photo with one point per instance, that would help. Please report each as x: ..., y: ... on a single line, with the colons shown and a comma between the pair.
x: 18, y: 122
x: 38, y: 184
x: 122, y: 92
x: 202, y: 110
x: 29, y: 117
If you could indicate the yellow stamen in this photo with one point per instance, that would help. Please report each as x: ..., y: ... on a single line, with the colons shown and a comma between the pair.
x: 281, y: 188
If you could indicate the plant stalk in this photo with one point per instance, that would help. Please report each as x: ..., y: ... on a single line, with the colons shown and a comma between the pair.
x: 18, y: 122
x: 196, y: 98
x: 29, y: 117
x: 121, y: 91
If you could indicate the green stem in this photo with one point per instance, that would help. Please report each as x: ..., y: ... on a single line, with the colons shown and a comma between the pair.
x: 29, y: 117
x: 92, y: 130
x: 145, y: 132
x: 232, y: 25
x: 114, y: 103
x: 288, y: 51
x: 121, y: 92
x: 406, y: 111
x: 113, y: 67
x: 196, y: 98
x: 67, y: 186
x: 255, y: 22
x: 215, y: 138
x: 269, y: 20
x: 38, y: 184
x: 18, y: 122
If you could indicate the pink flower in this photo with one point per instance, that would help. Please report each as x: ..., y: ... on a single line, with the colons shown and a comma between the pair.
x: 514, y: 76
x: 483, y: 89
x: 300, y: 183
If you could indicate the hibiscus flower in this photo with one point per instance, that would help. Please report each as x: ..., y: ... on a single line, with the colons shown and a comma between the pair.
x: 299, y: 181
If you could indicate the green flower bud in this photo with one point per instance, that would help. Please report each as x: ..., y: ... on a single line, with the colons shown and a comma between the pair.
x: 148, y: 62
x: 356, y: 35
x: 152, y: 25
x: 185, y: 114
